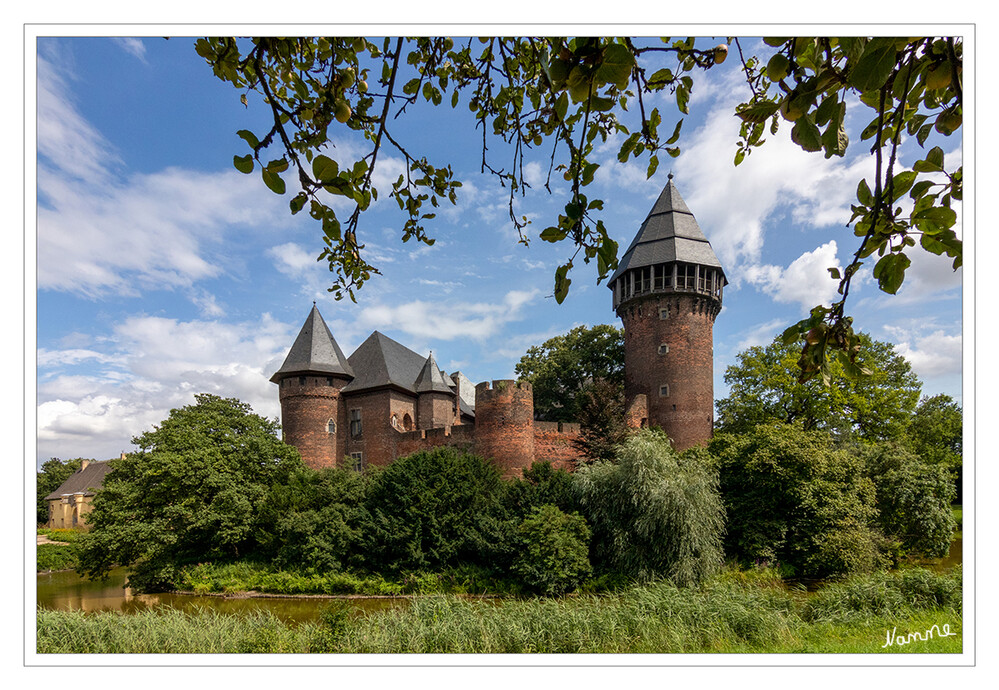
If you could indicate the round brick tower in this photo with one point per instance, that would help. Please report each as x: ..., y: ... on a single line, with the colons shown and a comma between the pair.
x: 504, y: 425
x: 667, y: 292
x: 309, y: 384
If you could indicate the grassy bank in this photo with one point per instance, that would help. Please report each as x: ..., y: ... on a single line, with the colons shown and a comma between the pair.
x: 55, y: 557
x: 732, y: 614
x: 206, y: 578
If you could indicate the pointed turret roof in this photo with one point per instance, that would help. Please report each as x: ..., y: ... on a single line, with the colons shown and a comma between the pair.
x: 315, y: 352
x: 432, y: 379
x: 669, y: 233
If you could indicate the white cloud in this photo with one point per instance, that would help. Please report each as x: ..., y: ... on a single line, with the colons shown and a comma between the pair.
x: 100, y: 233
x: 157, y: 364
x: 448, y: 320
x: 806, y: 281
x: 134, y: 46
x: 933, y: 355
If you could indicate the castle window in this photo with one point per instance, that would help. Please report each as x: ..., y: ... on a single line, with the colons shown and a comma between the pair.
x: 355, y: 423
x: 357, y: 462
x: 664, y: 390
x: 663, y: 313
x: 331, y: 427
x: 663, y: 349
x: 329, y: 380
x: 394, y: 421
x: 301, y: 380
x: 407, y: 422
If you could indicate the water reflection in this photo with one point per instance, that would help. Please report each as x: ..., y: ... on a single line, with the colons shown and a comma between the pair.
x: 67, y: 591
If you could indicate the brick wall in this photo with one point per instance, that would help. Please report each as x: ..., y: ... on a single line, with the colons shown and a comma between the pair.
x: 554, y: 442
x: 669, y: 360
x: 307, y: 405
x: 504, y: 424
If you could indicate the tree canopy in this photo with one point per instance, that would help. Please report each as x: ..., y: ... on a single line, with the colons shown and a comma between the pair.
x: 559, y: 95
x: 765, y: 388
x: 194, y: 492
x: 561, y: 368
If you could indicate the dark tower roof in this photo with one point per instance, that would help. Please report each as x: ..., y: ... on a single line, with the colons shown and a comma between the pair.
x: 431, y: 379
x: 314, y: 352
x: 669, y: 234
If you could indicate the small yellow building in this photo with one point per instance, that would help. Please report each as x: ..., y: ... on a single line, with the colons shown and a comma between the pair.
x: 69, y: 504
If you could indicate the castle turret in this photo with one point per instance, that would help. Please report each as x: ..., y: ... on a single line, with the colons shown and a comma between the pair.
x: 504, y: 425
x: 309, y: 382
x: 667, y: 292
x: 435, y: 399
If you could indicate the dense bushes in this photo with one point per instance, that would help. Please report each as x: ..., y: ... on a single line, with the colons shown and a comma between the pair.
x: 655, y: 513
x: 553, y: 556
x: 794, y: 498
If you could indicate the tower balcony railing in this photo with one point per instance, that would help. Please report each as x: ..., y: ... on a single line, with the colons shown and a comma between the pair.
x: 669, y: 278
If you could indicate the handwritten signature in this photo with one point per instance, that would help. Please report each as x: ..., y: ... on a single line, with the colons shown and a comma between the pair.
x: 900, y: 640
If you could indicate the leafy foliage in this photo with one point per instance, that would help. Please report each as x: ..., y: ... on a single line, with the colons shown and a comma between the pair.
x: 317, y: 520
x: 540, y: 485
x: 195, y: 492
x: 913, y: 86
x: 561, y: 368
x: 602, y: 422
x: 765, y: 387
x: 552, y: 558
x: 913, y: 500
x: 558, y: 95
x: 53, y: 473
x: 655, y: 513
x: 793, y: 499
x: 936, y: 432
x: 434, y: 509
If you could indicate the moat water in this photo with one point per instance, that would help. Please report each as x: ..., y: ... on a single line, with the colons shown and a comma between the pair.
x: 66, y: 591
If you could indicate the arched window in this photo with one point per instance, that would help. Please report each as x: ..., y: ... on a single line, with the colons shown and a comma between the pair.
x: 407, y: 422
x: 331, y: 427
x: 394, y: 421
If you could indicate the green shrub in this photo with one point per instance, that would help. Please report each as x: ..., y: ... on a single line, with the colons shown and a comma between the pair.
x: 553, y: 547
x: 654, y: 514
x: 433, y: 510
x: 913, y: 500
x: 55, y: 557
x: 795, y: 501
x: 890, y: 595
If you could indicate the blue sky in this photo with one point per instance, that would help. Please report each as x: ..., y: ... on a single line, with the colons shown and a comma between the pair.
x: 163, y: 272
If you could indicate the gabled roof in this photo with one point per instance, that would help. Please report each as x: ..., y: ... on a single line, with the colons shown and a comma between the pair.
x: 432, y: 379
x: 380, y: 361
x: 84, y: 481
x: 669, y: 233
x: 315, y: 352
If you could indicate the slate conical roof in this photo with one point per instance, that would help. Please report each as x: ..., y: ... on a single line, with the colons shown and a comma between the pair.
x: 669, y: 233
x: 431, y: 379
x: 315, y: 352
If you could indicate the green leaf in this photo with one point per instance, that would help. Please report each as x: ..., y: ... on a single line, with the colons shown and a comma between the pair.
x: 758, y: 111
x: 244, y: 164
x: 324, y: 168
x: 248, y: 136
x: 553, y: 234
x: 874, y: 66
x: 273, y: 181
x: 562, y: 282
x: 806, y: 135
x: 902, y: 183
x: 616, y: 66
x: 864, y: 195
x: 890, y: 271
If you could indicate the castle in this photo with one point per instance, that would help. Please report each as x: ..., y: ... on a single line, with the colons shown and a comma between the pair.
x: 386, y: 401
